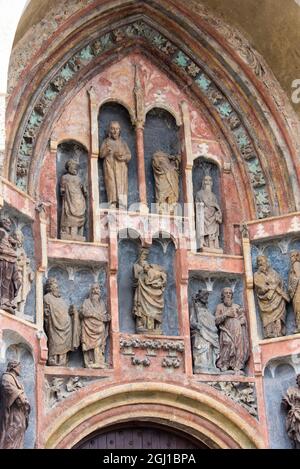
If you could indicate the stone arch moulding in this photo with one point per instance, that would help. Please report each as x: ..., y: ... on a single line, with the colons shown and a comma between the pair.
x: 254, y: 121
x: 199, y: 414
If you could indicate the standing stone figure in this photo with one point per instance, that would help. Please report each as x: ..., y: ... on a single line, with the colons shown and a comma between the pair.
x: 294, y: 286
x: 291, y: 401
x: 94, y: 330
x: 205, y: 340
x: 272, y: 298
x: 233, y: 334
x: 10, y: 281
x: 15, y: 408
x: 208, y: 216
x: 61, y: 325
x: 74, y: 195
x: 116, y: 154
x: 166, y: 176
x: 26, y: 273
x: 150, y: 283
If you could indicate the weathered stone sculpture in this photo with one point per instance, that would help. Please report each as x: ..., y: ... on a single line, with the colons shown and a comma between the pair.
x: 74, y: 195
x: 233, y: 334
x: 208, y: 216
x: 272, y: 298
x: 61, y: 325
x: 10, y: 281
x: 205, y: 340
x: 15, y: 409
x: 94, y: 330
x: 291, y: 401
x: 166, y: 176
x: 294, y: 286
x: 116, y: 154
x: 150, y: 284
x: 26, y: 274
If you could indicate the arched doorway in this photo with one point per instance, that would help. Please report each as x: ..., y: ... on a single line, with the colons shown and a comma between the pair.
x: 139, y: 435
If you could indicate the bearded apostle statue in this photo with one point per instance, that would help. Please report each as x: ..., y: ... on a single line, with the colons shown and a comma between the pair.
x: 116, y: 155
x: 233, y: 334
x: 272, y: 298
x: 94, y: 329
x: 14, y: 408
x: 208, y: 217
x: 291, y: 402
x: 149, y: 282
x: 294, y: 286
x: 73, y: 195
x: 166, y: 177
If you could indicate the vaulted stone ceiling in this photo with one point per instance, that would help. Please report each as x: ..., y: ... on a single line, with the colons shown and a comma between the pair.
x: 271, y: 26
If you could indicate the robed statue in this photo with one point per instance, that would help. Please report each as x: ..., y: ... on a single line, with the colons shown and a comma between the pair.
x: 204, y: 333
x: 62, y: 325
x: 272, y: 298
x: 73, y: 213
x: 233, y: 334
x: 291, y: 402
x: 94, y: 329
x: 149, y: 282
x: 294, y: 286
x: 166, y: 177
x: 208, y: 216
x: 14, y: 408
x: 116, y: 155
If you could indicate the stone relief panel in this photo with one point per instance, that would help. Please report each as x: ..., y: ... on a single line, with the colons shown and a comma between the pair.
x: 75, y: 302
x: 17, y: 264
x: 161, y: 253
x: 275, y: 266
x: 72, y: 191
x: 18, y: 430
x: 118, y: 181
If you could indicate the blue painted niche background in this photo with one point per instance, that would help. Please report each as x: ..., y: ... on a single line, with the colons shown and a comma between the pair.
x: 161, y: 133
x: 128, y: 255
x: 68, y: 151
x: 279, y: 260
x: 75, y: 290
x: 115, y: 112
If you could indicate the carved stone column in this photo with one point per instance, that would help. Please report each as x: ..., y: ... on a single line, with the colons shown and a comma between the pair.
x: 42, y: 261
x: 94, y: 215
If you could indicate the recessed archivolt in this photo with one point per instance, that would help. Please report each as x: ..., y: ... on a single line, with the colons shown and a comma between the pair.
x: 198, y: 76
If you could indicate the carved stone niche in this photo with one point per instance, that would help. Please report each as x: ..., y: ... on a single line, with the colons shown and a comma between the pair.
x: 208, y: 206
x: 72, y: 191
x: 19, y: 417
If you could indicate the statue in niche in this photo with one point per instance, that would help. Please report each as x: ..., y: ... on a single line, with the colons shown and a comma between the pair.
x: 10, y: 283
x: 272, y: 298
x: 233, y: 334
x: 291, y: 402
x: 62, y: 325
x: 15, y: 408
x: 74, y: 195
x: 149, y: 282
x: 116, y: 154
x: 208, y: 216
x: 205, y: 340
x: 25, y: 272
x: 166, y: 176
x: 294, y: 286
x: 94, y: 329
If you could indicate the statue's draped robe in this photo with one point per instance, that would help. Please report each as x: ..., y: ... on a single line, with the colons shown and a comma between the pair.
x: 13, y: 415
x: 149, y: 293
x: 10, y: 281
x: 269, y: 290
x: 115, y: 170
x: 62, y: 335
x: 212, y: 213
x: 294, y: 289
x: 74, y: 203
x: 234, y: 340
x: 93, y: 328
x: 292, y: 400
x: 166, y: 179
x: 204, y: 337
